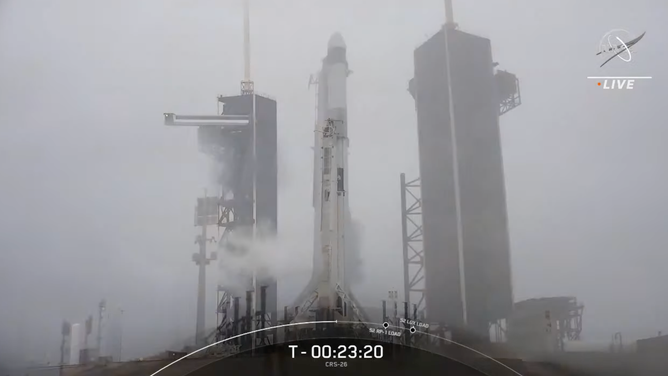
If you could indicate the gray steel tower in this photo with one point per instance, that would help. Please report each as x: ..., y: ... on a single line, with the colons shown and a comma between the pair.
x: 243, y: 140
x: 458, y: 96
x: 250, y: 191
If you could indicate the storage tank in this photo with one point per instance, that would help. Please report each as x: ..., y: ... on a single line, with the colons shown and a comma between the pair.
x: 75, y: 343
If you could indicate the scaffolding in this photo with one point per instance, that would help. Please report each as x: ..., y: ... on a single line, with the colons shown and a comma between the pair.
x: 413, y: 251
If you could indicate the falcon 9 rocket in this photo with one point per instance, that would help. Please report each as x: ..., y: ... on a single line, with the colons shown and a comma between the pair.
x: 328, y: 288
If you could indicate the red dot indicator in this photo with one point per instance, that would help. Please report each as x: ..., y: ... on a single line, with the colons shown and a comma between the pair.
x: 599, y: 84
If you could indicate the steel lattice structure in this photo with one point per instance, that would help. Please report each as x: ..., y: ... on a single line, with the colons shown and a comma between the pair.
x: 413, y: 251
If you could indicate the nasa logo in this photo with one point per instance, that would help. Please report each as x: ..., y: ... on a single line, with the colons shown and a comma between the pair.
x: 617, y: 43
x: 612, y: 43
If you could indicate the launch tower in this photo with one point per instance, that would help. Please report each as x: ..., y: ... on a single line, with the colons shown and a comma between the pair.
x: 465, y: 261
x: 242, y: 139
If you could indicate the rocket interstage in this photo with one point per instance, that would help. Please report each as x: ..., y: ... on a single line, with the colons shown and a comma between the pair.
x: 329, y: 287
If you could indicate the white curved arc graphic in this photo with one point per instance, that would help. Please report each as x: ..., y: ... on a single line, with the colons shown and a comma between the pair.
x: 332, y: 322
x: 628, y: 51
x: 237, y: 336
x: 451, y: 341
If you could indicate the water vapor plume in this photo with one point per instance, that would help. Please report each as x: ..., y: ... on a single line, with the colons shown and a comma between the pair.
x: 276, y: 256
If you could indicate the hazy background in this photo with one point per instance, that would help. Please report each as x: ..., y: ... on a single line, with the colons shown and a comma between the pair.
x: 97, y: 196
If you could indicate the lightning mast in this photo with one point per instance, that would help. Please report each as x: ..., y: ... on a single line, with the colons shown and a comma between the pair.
x: 247, y: 85
x: 247, y: 88
x: 449, y: 13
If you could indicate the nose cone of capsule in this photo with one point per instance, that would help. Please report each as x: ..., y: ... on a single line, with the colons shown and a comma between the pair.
x: 336, y: 41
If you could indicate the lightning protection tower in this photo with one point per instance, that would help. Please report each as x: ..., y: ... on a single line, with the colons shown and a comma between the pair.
x: 242, y: 139
x: 464, y: 260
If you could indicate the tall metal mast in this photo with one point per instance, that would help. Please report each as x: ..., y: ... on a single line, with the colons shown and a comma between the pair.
x: 247, y: 86
x: 449, y: 13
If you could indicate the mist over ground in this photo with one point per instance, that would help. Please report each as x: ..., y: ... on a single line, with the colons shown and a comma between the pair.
x: 97, y: 195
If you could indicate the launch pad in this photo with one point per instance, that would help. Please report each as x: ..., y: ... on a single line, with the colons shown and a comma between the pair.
x: 464, y: 270
x: 457, y: 275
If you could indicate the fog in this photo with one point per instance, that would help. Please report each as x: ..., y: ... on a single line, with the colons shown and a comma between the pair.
x: 97, y: 195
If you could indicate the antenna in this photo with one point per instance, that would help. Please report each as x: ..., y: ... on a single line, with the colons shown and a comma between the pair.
x: 449, y: 14
x: 247, y: 86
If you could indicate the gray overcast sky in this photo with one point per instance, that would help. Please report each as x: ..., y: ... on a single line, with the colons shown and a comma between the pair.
x: 97, y: 196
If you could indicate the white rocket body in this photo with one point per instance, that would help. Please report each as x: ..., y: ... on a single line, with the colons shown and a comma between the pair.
x: 330, y: 185
x: 331, y: 165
